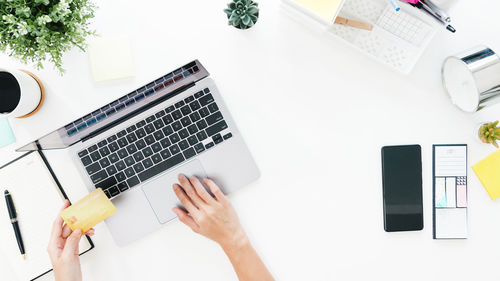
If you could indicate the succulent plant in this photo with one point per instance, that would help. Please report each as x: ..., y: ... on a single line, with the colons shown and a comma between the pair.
x: 490, y: 133
x: 242, y: 14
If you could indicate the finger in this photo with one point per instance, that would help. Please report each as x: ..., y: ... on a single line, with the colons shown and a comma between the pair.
x: 185, y: 201
x: 66, y: 231
x: 58, y: 222
x: 72, y: 243
x: 215, y: 190
x: 186, y: 219
x: 189, y: 189
x: 90, y: 232
x: 201, y: 191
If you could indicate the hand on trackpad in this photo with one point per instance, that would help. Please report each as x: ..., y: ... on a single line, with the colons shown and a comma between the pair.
x: 159, y: 191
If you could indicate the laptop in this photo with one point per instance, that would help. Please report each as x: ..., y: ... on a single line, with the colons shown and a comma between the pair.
x: 134, y: 148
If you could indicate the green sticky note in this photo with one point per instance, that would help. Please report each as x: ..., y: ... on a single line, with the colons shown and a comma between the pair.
x: 6, y: 134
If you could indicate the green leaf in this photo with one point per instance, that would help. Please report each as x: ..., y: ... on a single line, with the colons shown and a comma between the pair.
x: 246, y: 20
x: 252, y: 10
x: 228, y: 11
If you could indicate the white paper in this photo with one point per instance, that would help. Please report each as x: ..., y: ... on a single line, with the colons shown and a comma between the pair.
x: 440, y: 193
x: 38, y: 201
x: 111, y: 58
x: 451, y: 161
x: 451, y: 223
x: 451, y: 195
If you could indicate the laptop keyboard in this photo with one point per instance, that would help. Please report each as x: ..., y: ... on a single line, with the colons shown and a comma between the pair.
x: 155, y: 144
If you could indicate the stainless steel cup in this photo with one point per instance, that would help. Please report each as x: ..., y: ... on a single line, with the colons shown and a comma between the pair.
x: 472, y: 78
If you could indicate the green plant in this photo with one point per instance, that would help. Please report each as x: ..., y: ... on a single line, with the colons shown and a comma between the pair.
x: 490, y: 133
x: 242, y: 14
x: 36, y: 30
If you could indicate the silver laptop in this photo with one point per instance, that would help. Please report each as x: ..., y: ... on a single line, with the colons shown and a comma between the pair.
x: 134, y: 148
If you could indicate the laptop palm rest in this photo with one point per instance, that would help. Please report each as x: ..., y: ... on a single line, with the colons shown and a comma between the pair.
x: 160, y: 193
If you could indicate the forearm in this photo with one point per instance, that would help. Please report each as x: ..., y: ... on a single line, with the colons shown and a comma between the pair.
x: 246, y: 261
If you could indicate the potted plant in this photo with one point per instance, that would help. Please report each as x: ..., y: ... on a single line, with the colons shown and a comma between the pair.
x: 38, y: 30
x: 242, y: 14
x: 490, y: 133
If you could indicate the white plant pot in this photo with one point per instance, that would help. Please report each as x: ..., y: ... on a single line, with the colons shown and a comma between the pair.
x: 30, y: 96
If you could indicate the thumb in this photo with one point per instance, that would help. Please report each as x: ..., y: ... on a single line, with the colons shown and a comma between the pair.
x: 72, y: 243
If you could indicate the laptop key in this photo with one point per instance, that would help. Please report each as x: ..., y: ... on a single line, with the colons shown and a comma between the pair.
x: 167, y: 119
x: 174, y: 149
x: 217, y: 127
x: 104, y: 163
x: 149, y: 128
x: 227, y: 136
x: 156, y: 146
x: 177, y: 126
x: 202, y: 124
x: 140, y: 133
x: 158, y: 135
x: 167, y: 130
x: 92, y: 148
x: 183, y: 145
x: 147, y: 163
x: 107, y: 193
x: 177, y: 114
x: 165, y: 154
x: 163, y: 166
x: 199, y: 148
x: 95, y: 156
x: 186, y: 121
x: 170, y: 109
x: 174, y: 138
x: 199, y: 94
x: 189, y: 153
x: 121, y: 133
x: 99, y: 176
x: 149, y: 139
x: 204, y: 112
x: 94, y: 168
x: 107, y: 183
x: 216, y: 117
x: 86, y: 160
x: 189, y: 99
x: 140, y: 144
x: 129, y: 172
x: 83, y: 153
x: 201, y: 135
x: 195, y: 116
x: 195, y: 105
x: 140, y: 123
x: 206, y: 100
x: 209, y: 145
x: 150, y: 119
x: 138, y: 168
x: 113, y: 158
x: 160, y: 114
x: 186, y: 110
x: 129, y: 161
x: 113, y: 146
x: 156, y: 158
x: 122, y: 142
x: 192, y: 129
x: 131, y: 149
x: 192, y: 140
x: 122, y: 153
x: 113, y: 191
x: 147, y: 152
x: 120, y: 165
x: 138, y: 156
x: 131, y: 137
x: 206, y: 90
x: 217, y: 138
x: 183, y: 133
x: 165, y: 143
x: 158, y: 124
x: 131, y: 129
x: 120, y: 176
x: 104, y: 151
x: 213, y: 107
x: 122, y: 186
x: 179, y: 104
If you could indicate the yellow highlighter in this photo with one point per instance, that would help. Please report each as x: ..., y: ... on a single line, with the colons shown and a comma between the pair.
x: 89, y: 211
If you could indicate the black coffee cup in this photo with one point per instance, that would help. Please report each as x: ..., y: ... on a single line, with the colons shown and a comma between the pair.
x: 10, y: 92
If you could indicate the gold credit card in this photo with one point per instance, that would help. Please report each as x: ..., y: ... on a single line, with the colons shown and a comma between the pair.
x: 89, y: 211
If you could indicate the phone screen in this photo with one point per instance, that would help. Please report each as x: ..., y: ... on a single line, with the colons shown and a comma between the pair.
x: 402, y: 188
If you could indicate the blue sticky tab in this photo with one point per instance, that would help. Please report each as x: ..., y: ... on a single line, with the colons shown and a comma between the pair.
x: 6, y: 134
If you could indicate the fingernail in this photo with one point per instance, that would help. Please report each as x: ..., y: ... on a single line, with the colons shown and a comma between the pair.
x: 78, y: 231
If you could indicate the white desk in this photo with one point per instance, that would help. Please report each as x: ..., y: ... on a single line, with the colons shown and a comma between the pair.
x: 315, y: 114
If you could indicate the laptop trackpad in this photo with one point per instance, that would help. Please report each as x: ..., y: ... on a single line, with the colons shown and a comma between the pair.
x: 160, y: 194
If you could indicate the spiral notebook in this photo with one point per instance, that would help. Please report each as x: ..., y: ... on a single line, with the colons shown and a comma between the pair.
x: 38, y: 197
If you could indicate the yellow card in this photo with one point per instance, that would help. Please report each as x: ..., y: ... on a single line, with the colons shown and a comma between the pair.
x: 488, y: 173
x: 327, y: 9
x: 89, y: 211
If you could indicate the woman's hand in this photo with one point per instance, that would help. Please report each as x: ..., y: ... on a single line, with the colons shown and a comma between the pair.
x: 63, y: 250
x: 212, y: 217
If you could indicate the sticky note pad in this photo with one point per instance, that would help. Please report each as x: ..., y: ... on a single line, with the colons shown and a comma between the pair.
x: 6, y: 135
x: 488, y: 172
x: 89, y: 211
x: 327, y: 9
x: 111, y: 58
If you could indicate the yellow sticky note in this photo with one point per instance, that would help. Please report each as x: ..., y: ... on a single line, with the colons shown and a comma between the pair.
x: 111, y: 58
x: 327, y: 9
x: 89, y: 211
x: 488, y: 172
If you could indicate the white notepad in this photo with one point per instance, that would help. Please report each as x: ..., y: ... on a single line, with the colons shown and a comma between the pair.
x: 450, y: 191
x: 38, y: 201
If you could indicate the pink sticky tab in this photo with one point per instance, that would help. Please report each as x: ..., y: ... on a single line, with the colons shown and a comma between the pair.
x: 411, y: 1
x: 461, y: 196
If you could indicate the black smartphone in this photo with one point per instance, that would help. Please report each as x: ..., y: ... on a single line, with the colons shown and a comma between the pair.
x: 402, y: 188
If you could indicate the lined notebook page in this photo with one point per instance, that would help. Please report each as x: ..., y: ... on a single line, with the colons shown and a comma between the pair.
x: 38, y: 201
x: 451, y: 161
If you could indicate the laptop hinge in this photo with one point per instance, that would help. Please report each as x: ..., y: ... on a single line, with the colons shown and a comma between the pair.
x: 139, y: 111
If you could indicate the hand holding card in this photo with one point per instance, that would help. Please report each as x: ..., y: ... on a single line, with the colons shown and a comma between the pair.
x: 89, y: 211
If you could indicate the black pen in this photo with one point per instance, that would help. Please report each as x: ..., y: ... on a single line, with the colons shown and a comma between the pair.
x: 13, y: 219
x: 430, y: 11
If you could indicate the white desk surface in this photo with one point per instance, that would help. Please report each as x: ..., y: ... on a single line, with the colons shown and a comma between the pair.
x: 315, y: 114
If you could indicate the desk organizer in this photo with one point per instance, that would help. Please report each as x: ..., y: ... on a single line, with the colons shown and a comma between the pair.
x: 397, y: 40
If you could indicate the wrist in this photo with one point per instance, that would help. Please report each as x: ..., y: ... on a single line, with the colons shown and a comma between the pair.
x: 236, y: 243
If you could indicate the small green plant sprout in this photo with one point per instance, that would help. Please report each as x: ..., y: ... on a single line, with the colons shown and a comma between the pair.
x: 490, y: 133
x: 242, y: 14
